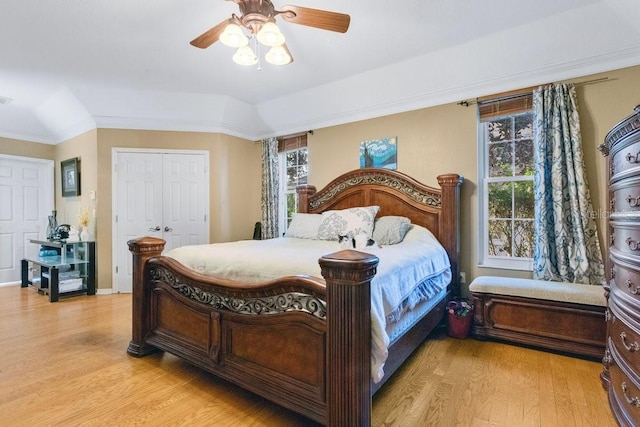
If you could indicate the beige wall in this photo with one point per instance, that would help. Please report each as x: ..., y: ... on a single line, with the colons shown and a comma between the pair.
x: 443, y: 139
x: 85, y: 148
x: 14, y: 147
x: 235, y: 183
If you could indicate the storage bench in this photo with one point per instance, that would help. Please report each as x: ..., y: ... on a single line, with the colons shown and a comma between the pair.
x: 562, y: 317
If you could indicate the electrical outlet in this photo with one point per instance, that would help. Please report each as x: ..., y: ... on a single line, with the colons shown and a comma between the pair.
x: 463, y: 277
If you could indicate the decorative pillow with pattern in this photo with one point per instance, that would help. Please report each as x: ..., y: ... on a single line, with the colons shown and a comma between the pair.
x: 390, y: 230
x: 304, y: 226
x: 345, y: 222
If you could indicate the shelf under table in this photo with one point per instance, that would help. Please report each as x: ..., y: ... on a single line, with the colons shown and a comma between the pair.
x: 56, y: 261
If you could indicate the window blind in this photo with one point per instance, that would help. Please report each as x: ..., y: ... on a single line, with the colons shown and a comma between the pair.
x: 292, y: 142
x: 505, y: 104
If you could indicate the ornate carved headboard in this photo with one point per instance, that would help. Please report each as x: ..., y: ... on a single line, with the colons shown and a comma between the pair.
x: 397, y: 194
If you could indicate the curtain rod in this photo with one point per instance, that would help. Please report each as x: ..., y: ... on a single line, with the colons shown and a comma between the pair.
x: 466, y: 103
x: 594, y: 81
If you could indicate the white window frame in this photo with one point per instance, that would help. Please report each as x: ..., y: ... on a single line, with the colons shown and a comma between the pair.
x: 283, y: 225
x: 484, y: 259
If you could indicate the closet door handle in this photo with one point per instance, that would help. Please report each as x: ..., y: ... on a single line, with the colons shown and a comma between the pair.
x: 633, y: 347
x: 155, y: 229
x: 167, y: 229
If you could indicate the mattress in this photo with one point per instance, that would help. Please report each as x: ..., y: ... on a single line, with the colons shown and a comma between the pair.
x: 408, y: 273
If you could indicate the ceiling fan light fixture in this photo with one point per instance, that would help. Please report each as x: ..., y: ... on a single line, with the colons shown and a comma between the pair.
x: 270, y: 35
x: 278, y: 55
x: 245, y: 56
x: 233, y: 36
x: 256, y: 27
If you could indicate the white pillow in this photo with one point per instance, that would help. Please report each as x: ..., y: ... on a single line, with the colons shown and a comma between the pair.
x: 304, y: 226
x: 345, y: 222
x: 390, y: 230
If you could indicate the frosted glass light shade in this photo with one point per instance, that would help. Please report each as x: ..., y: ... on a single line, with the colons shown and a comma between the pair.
x: 278, y: 55
x: 270, y: 35
x: 233, y: 36
x: 245, y: 56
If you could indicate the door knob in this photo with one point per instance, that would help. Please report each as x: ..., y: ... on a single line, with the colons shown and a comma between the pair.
x: 155, y: 229
x: 167, y: 229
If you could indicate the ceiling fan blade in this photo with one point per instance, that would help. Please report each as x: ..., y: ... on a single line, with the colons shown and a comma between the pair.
x: 209, y: 37
x: 323, y: 19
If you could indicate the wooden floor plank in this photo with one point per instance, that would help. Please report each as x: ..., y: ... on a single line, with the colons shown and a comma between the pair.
x: 65, y: 364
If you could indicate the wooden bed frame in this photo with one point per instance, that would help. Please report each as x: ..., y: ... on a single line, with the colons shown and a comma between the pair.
x: 320, y: 328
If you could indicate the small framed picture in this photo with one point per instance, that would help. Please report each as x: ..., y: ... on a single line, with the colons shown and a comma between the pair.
x: 379, y: 153
x: 70, y: 170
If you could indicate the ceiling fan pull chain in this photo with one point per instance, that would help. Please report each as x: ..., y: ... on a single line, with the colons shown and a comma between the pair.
x: 256, y: 47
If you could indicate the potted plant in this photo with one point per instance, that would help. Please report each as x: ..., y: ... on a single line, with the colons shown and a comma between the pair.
x: 459, y: 317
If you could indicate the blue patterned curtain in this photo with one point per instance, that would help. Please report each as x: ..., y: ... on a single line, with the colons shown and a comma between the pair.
x: 270, y: 188
x: 566, y: 243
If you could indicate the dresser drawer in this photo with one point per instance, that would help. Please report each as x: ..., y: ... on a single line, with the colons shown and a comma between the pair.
x: 625, y: 394
x: 625, y: 339
x: 626, y: 199
x: 627, y: 279
x: 626, y: 237
x: 625, y: 160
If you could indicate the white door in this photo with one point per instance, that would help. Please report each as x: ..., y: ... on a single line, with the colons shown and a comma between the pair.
x: 137, y: 207
x: 26, y: 199
x: 184, y: 211
x: 164, y: 195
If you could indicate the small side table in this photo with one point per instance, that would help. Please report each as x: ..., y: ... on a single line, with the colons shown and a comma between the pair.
x: 78, y: 256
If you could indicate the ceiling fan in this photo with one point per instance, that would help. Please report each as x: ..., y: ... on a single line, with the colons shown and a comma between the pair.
x: 258, y: 19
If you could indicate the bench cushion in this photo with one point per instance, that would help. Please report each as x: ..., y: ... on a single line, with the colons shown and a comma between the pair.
x: 540, y: 289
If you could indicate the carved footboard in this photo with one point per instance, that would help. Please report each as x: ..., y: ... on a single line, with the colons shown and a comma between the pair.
x: 295, y: 341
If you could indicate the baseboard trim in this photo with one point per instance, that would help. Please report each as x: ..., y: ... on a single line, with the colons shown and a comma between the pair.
x: 99, y: 291
x: 2, y: 285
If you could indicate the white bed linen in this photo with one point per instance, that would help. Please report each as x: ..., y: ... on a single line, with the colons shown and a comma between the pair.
x: 403, y: 266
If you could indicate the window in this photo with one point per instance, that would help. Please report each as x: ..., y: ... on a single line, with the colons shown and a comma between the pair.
x: 294, y: 170
x: 506, y: 172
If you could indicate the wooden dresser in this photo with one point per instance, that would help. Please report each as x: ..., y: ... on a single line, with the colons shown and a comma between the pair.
x: 621, y: 363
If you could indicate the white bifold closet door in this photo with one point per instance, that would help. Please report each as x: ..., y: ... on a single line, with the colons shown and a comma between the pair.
x: 159, y: 194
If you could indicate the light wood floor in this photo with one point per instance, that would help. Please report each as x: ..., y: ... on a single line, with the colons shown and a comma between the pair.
x: 65, y: 364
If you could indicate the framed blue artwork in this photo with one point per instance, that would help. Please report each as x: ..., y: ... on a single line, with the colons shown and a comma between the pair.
x: 379, y: 153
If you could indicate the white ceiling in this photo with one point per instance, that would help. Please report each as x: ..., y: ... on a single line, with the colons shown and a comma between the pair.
x: 74, y: 65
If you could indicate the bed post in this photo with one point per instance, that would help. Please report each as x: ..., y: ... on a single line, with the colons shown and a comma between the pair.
x: 450, y: 223
x: 142, y: 249
x: 348, y: 275
x: 305, y: 192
